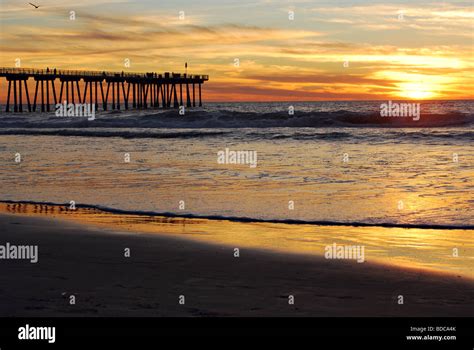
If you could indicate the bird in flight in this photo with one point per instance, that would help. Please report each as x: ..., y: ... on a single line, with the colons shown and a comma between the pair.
x: 35, y: 6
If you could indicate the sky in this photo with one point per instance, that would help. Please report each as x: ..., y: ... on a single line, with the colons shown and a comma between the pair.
x: 259, y: 50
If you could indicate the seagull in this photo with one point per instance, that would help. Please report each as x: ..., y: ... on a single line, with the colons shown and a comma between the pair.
x: 35, y: 6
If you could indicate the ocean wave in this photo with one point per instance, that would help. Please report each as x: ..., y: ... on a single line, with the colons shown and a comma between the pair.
x: 274, y: 134
x: 109, y: 133
x: 399, y: 135
x: 231, y: 119
x: 240, y: 219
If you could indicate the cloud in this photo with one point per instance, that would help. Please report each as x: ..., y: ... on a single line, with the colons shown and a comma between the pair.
x: 278, y: 60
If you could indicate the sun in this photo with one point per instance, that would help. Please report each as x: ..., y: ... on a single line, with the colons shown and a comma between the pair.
x: 416, y: 91
x: 415, y: 86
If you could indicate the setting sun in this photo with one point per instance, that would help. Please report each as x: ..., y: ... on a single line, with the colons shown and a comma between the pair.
x: 416, y: 91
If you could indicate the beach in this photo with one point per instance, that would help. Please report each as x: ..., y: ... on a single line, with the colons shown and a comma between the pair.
x: 87, y: 261
x: 328, y: 214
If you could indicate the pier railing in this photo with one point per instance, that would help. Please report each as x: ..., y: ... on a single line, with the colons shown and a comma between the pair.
x: 85, y: 73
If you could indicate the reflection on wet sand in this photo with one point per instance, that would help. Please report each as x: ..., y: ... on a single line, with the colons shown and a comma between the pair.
x: 426, y: 249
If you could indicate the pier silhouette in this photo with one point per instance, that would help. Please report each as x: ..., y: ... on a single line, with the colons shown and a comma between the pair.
x: 133, y: 90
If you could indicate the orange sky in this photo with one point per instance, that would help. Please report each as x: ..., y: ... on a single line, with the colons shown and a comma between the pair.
x: 256, y: 51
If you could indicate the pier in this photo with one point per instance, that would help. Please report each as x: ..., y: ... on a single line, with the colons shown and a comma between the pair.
x: 105, y: 90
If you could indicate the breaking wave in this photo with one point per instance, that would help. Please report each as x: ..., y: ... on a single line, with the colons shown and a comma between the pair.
x: 232, y: 119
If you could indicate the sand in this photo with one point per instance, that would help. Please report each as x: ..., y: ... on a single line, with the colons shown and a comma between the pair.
x: 88, y: 262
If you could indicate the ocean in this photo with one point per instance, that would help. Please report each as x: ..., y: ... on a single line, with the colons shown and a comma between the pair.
x: 336, y: 162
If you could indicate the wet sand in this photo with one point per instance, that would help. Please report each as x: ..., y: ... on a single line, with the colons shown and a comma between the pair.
x: 88, y: 261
